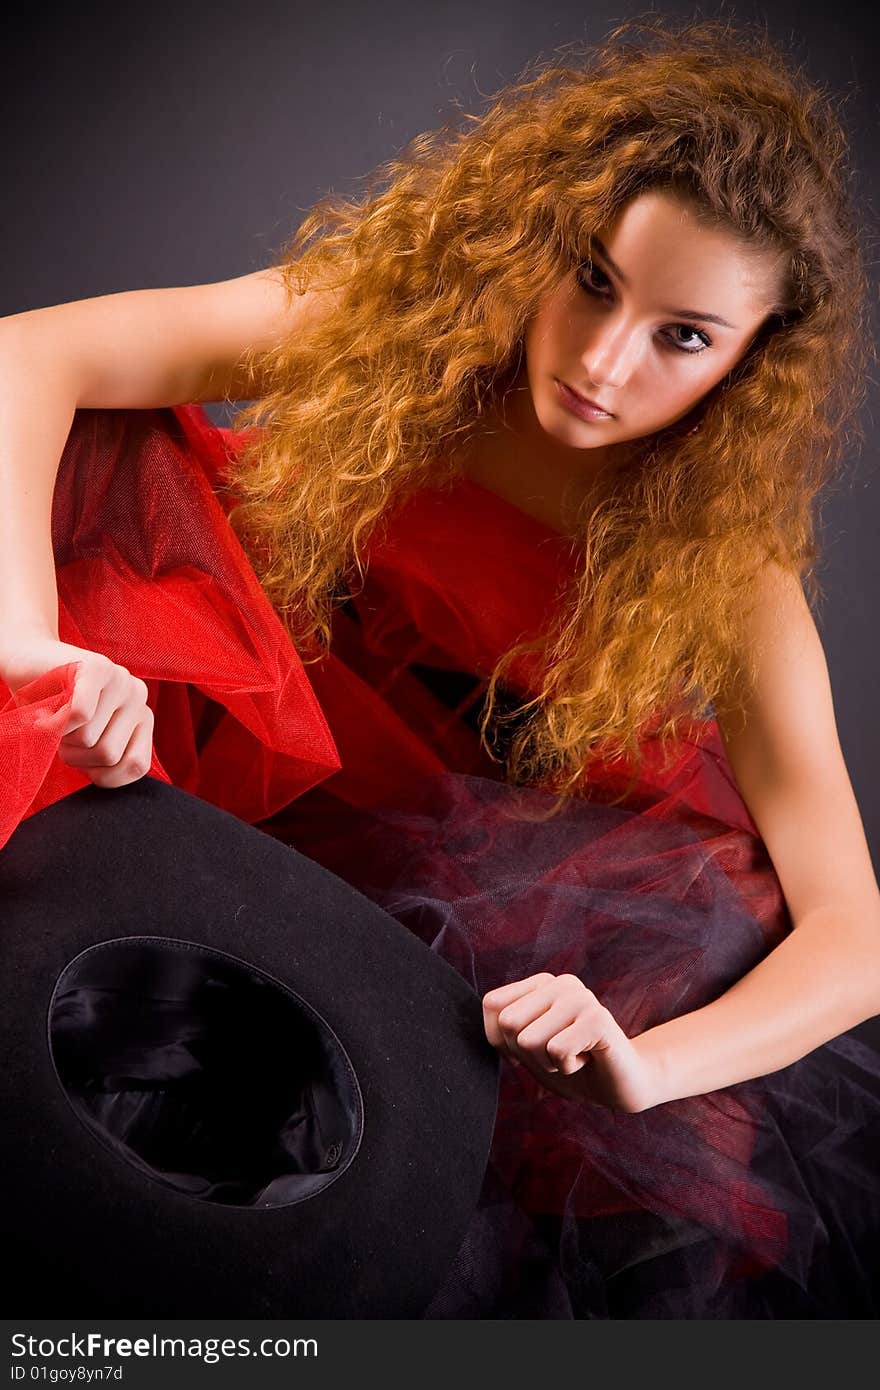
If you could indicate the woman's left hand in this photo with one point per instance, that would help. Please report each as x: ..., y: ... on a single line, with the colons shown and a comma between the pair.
x: 559, y: 1031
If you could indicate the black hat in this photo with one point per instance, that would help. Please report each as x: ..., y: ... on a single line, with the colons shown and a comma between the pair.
x: 233, y: 1085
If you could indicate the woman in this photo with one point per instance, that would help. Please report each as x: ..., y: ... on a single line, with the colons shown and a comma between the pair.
x: 529, y: 478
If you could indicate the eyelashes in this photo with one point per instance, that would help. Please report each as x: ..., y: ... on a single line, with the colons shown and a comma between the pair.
x: 588, y: 268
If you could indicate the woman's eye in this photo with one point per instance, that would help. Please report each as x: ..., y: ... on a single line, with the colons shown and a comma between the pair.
x: 595, y: 281
x: 702, y: 339
x: 587, y: 272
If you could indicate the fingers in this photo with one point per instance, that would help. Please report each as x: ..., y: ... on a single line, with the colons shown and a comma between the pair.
x: 93, y: 673
x: 109, y: 732
x: 551, y: 1020
x: 135, y: 760
x: 97, y: 693
x: 503, y: 997
x: 118, y: 768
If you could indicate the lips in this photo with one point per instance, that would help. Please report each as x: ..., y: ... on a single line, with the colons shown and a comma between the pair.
x: 581, y: 406
x: 586, y: 399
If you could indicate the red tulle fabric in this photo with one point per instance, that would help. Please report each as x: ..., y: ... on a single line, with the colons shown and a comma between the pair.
x: 369, y: 760
x: 142, y: 579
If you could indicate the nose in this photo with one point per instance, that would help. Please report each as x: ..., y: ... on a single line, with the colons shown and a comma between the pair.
x: 610, y: 355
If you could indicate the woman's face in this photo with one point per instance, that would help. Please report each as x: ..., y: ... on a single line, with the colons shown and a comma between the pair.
x: 664, y: 310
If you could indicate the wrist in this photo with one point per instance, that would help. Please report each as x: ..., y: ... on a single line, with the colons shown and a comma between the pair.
x: 16, y: 637
x: 659, y: 1087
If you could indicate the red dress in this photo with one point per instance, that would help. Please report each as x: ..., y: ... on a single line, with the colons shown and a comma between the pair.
x: 758, y: 1200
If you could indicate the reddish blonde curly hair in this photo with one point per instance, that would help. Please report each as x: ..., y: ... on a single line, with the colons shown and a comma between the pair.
x: 437, y: 270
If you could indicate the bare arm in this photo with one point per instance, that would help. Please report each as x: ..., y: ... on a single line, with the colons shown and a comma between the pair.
x: 821, y: 980
x: 138, y: 349
x: 141, y: 349
x: 824, y: 977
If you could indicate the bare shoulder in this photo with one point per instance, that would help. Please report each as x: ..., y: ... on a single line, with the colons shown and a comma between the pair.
x: 777, y: 719
x: 780, y: 734
x: 248, y: 317
x: 782, y: 666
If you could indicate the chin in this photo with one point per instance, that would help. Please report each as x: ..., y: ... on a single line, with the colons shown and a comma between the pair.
x: 559, y: 431
x: 567, y: 429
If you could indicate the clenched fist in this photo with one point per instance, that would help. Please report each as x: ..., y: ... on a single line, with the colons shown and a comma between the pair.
x: 559, y: 1031
x: 109, y: 734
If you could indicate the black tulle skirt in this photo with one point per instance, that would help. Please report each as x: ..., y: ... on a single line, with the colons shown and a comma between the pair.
x: 760, y: 1200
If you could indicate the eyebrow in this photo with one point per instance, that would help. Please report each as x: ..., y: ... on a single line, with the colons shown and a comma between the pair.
x: 674, y: 313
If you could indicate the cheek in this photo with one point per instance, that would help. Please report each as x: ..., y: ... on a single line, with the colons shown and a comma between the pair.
x: 538, y: 339
x: 551, y: 330
x: 670, y: 394
x: 698, y: 383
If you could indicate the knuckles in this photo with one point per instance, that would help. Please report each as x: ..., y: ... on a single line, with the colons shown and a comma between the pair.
x: 513, y: 1021
x: 131, y: 768
x: 572, y: 982
x: 81, y: 713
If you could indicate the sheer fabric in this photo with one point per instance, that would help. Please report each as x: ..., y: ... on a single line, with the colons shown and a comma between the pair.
x: 758, y: 1200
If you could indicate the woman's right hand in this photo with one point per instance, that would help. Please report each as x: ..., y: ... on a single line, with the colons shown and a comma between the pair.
x: 109, y: 732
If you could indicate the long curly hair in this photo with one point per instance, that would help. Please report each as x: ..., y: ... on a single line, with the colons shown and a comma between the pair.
x: 432, y: 277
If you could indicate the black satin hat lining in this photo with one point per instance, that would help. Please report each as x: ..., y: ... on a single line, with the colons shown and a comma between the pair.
x: 204, y: 1072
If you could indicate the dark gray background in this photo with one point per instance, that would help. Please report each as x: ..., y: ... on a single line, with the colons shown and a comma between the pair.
x: 178, y: 144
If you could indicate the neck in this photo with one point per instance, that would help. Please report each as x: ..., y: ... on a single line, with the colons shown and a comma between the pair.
x: 510, y: 453
x: 515, y: 418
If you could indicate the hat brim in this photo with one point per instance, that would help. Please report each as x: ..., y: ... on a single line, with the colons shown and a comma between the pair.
x: 87, y: 1231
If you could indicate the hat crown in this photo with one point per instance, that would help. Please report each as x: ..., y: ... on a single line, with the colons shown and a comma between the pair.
x: 204, y: 1072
